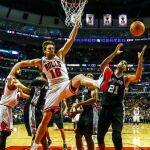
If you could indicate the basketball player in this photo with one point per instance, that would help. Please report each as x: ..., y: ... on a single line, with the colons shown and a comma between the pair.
x: 112, y: 112
x: 136, y: 115
x: 60, y: 86
x: 12, y: 92
x: 85, y: 127
x: 37, y: 101
x: 75, y: 113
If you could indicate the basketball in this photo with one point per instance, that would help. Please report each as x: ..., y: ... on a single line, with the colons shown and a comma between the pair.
x: 137, y: 28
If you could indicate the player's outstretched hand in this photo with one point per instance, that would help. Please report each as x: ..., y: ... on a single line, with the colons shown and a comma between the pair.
x: 117, y: 50
x: 140, y: 54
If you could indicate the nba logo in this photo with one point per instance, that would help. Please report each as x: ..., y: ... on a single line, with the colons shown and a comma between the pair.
x: 123, y: 20
x: 107, y: 19
x: 90, y: 19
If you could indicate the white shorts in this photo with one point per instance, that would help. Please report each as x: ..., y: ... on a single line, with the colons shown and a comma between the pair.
x: 136, y: 118
x: 6, y: 120
x: 56, y: 93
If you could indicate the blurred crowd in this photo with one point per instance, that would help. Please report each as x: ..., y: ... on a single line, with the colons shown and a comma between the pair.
x: 35, y: 30
x: 143, y: 101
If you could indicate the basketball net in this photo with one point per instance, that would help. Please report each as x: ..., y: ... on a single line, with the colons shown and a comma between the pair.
x: 73, y: 10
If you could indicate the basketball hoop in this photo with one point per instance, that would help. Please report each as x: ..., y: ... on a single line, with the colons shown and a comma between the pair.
x: 73, y: 10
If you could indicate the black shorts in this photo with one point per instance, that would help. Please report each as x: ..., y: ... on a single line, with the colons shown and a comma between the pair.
x: 38, y: 116
x: 57, y: 118
x: 85, y: 123
x: 110, y: 116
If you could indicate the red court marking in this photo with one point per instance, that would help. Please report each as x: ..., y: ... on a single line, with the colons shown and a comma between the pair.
x: 71, y: 148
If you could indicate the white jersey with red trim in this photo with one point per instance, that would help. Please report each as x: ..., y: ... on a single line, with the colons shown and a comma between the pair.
x: 9, y: 97
x: 55, y: 70
x: 136, y: 111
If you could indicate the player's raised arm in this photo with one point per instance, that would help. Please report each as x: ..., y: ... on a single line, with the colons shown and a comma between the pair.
x: 24, y: 95
x: 137, y: 76
x: 110, y: 57
x: 65, y: 49
x: 19, y: 85
x: 26, y: 63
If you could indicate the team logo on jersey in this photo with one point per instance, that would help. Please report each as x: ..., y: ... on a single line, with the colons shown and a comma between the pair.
x: 52, y: 64
x: 117, y: 81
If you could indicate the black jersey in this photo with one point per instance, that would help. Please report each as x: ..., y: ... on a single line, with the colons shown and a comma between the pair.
x: 38, y: 92
x: 85, y: 94
x: 37, y: 98
x: 115, y: 92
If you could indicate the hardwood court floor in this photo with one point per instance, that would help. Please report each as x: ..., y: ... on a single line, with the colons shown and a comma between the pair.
x: 132, y: 137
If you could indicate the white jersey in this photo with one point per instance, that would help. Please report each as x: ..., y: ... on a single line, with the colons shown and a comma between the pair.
x: 9, y: 97
x: 55, y: 70
x: 136, y: 111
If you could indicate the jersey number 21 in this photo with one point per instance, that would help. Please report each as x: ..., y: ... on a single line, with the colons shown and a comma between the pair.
x: 113, y: 89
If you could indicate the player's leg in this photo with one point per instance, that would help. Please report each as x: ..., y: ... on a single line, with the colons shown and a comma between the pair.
x: 88, y: 82
x: 5, y: 125
x: 117, y: 125
x: 49, y: 142
x: 42, y: 128
x: 89, y: 141
x: 137, y: 121
x: 88, y: 129
x: 44, y: 142
x: 134, y: 120
x: 103, y: 125
x: 3, y: 137
x: 63, y: 136
x: 58, y: 119
x: 81, y: 80
x: 79, y: 143
x: 79, y: 132
x: 38, y: 115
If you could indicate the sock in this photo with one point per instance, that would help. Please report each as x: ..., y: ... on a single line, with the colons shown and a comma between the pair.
x: 35, y: 145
